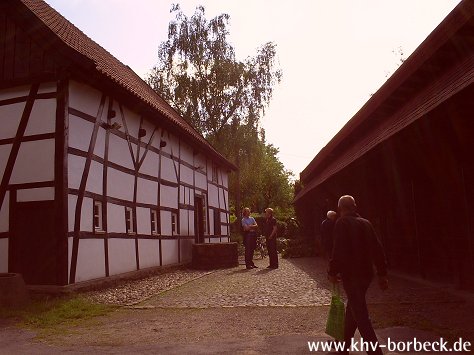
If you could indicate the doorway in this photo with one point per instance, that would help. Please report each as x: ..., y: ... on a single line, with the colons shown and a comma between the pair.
x: 33, y: 246
x: 198, y: 219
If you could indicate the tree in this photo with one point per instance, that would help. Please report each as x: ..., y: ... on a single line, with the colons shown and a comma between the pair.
x: 222, y: 97
x: 198, y: 73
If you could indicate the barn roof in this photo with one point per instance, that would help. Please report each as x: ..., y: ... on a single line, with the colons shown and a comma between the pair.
x: 85, y: 54
x: 398, y: 103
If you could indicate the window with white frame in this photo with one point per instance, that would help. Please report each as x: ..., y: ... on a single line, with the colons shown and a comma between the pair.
x: 155, y: 222
x: 129, y: 219
x: 98, y: 218
x: 174, y: 223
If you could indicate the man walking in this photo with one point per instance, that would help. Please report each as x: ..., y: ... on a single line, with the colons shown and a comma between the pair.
x: 270, y: 233
x: 356, y: 250
x: 249, y: 226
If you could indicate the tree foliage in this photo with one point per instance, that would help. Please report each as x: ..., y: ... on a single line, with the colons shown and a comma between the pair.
x: 224, y: 98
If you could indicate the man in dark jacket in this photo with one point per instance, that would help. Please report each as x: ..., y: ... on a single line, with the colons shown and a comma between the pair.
x: 356, y: 250
x: 270, y: 232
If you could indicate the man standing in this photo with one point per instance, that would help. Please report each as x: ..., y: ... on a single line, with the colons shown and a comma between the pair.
x: 356, y: 250
x: 270, y: 233
x: 327, y: 227
x: 249, y: 226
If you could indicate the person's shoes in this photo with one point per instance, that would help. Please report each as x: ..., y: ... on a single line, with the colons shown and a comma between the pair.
x: 254, y: 266
x: 249, y: 267
x: 272, y: 267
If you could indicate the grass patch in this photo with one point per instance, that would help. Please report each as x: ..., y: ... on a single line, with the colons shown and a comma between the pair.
x: 50, y: 313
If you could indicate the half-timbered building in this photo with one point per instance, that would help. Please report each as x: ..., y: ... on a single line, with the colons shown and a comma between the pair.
x: 407, y: 157
x: 99, y: 175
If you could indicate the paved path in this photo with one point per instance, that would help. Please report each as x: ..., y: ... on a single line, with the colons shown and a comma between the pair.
x: 239, y: 311
x: 298, y: 282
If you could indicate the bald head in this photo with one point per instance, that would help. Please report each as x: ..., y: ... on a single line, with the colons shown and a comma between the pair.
x: 346, y: 204
x: 331, y: 215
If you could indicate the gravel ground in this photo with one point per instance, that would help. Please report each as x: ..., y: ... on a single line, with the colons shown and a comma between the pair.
x: 132, y: 292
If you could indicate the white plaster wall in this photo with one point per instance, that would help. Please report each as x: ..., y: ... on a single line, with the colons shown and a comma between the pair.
x: 75, y: 169
x: 149, y: 128
x: 201, y: 180
x: 115, y: 218
x: 99, y: 148
x: 211, y: 223
x: 4, y: 213
x: 35, y: 162
x: 191, y: 223
x: 94, y: 178
x: 86, y: 214
x: 183, y: 222
x: 119, y: 152
x: 38, y: 194
x: 150, y: 164
x: 149, y: 252
x: 147, y: 191
x: 90, y: 259
x: 80, y: 133
x: 42, y: 118
x: 121, y: 256
x: 170, y: 251
x: 186, y: 249
x: 221, y: 197
x: 212, y: 196
x: 4, y: 154
x: 165, y: 222
x: 186, y: 175
x: 182, y: 194
x: 186, y: 153
x: 120, y: 184
x: 168, y: 171
x: 3, y: 254
x: 71, y: 203
x: 143, y: 221
x: 169, y: 196
x: 223, y: 217
x: 84, y: 98
x: 225, y: 178
x: 69, y: 256
x: 133, y: 121
x: 226, y: 200
x: 171, y: 144
x: 160, y: 134
x: 14, y: 92
x: 215, y: 240
x: 224, y: 230
x: 10, y: 116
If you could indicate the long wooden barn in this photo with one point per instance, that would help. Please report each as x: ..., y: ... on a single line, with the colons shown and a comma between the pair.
x: 407, y: 157
x: 99, y: 175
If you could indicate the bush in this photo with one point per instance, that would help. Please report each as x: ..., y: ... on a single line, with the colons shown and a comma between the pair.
x: 297, y: 248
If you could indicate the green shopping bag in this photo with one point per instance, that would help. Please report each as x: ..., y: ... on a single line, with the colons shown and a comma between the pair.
x: 335, y: 322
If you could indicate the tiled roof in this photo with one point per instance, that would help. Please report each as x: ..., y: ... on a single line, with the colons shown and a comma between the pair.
x: 107, y: 65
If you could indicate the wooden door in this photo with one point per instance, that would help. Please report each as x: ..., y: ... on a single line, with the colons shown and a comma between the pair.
x: 198, y: 220
x: 34, y: 243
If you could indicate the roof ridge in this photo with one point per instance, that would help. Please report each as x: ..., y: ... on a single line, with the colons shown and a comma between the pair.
x: 108, y: 65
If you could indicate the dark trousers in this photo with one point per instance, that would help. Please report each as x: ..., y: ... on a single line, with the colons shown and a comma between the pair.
x: 357, y: 314
x: 250, y: 243
x: 272, y: 252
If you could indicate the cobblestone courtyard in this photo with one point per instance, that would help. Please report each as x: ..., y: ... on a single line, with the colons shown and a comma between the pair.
x: 243, y: 311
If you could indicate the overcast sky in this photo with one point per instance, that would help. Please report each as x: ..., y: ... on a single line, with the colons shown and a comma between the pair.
x: 333, y: 53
